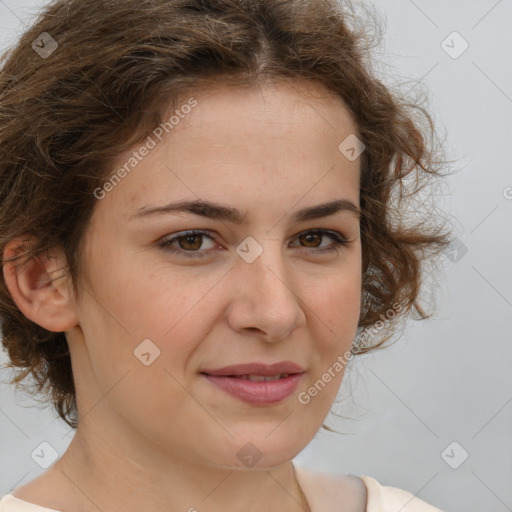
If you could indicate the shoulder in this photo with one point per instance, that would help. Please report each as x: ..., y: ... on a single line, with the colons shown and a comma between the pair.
x: 331, y: 491
x: 348, y: 493
x: 48, y: 492
x: 382, y: 498
x: 10, y: 503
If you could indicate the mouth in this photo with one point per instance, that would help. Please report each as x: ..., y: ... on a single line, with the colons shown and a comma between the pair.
x: 258, y: 378
x: 255, y: 369
x: 257, y: 383
x: 262, y: 390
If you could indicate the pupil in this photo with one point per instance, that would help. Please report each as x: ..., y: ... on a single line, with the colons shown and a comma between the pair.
x: 310, y: 236
x: 188, y: 239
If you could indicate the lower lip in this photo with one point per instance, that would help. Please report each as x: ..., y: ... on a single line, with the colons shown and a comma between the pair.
x: 257, y: 393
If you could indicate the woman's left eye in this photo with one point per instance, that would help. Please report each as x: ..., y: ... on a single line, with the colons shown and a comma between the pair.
x: 190, y: 241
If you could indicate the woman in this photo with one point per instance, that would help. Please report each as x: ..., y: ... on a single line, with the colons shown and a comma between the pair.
x: 209, y: 220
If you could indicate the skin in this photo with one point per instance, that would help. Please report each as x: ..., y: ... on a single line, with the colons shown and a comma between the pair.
x: 163, y: 431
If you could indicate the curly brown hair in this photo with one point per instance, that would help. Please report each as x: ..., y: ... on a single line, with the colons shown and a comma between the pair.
x: 120, y: 64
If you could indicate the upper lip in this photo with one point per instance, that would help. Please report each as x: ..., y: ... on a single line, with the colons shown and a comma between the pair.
x: 265, y: 370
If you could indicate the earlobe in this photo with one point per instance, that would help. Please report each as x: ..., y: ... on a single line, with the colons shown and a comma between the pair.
x: 39, y: 286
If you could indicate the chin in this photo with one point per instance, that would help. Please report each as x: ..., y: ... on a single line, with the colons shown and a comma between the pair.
x: 258, y: 452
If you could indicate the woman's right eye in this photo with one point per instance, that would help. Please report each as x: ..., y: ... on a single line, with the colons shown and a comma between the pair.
x: 189, y: 241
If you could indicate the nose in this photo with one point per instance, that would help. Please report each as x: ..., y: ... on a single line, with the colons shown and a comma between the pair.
x: 263, y: 299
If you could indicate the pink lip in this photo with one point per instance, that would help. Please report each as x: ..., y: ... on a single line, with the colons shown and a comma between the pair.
x: 257, y: 393
x: 257, y: 369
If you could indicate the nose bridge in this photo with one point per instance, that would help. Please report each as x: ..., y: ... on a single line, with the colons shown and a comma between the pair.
x: 264, y: 262
x: 266, y: 299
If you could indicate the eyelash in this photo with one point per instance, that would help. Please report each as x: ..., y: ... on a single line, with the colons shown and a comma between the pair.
x: 166, y: 243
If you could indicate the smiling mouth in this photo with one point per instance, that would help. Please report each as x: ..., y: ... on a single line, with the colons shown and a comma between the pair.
x: 260, y: 378
x: 260, y: 390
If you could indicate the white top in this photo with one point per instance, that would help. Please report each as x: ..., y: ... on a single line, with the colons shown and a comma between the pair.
x: 323, y: 493
x: 322, y: 490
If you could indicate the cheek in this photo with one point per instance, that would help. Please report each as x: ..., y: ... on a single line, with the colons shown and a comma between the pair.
x: 153, y: 300
x: 335, y: 315
x: 336, y: 304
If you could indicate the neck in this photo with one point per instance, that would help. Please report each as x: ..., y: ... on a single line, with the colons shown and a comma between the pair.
x: 99, y: 470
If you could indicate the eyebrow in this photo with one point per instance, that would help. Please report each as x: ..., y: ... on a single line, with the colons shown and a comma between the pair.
x: 225, y: 213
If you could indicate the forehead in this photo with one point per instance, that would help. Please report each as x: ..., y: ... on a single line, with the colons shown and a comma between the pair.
x: 278, y: 138
x: 282, y: 103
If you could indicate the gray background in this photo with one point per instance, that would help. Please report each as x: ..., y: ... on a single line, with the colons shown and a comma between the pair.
x: 447, y: 380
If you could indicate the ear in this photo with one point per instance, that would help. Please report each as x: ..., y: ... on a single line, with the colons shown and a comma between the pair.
x: 37, y: 286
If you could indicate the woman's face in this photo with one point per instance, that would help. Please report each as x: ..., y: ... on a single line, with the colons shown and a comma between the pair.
x: 267, y: 289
